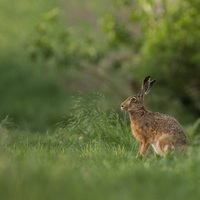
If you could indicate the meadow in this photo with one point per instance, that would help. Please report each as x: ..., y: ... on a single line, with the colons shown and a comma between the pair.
x: 91, y: 156
x: 63, y: 137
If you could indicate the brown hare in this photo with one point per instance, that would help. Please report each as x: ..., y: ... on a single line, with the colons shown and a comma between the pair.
x: 161, y: 131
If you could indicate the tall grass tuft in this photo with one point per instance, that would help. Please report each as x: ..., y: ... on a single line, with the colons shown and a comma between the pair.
x: 92, y: 123
x: 5, y: 126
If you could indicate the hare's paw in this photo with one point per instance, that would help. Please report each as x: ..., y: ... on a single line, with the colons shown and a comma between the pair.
x: 139, y: 156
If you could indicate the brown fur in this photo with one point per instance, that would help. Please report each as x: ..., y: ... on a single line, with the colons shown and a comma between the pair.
x: 161, y: 131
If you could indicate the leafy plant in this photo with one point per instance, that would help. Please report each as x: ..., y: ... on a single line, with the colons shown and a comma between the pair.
x: 59, y: 46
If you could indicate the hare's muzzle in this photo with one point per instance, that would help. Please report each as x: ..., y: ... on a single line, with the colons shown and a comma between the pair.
x: 122, y: 107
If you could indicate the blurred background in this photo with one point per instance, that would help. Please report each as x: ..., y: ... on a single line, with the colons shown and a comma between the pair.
x: 52, y: 51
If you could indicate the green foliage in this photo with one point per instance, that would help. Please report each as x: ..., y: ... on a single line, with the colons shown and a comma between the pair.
x: 185, y: 25
x: 174, y: 40
x: 59, y: 45
x: 3, y: 135
x: 194, y: 132
x: 33, y: 100
x: 32, y: 96
x: 117, y: 32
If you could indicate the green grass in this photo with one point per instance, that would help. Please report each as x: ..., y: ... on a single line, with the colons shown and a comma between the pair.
x: 91, y: 156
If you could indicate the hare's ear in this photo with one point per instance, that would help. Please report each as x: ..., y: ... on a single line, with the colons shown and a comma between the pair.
x: 147, y: 85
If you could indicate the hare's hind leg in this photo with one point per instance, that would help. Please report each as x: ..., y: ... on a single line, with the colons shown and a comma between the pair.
x: 165, y: 144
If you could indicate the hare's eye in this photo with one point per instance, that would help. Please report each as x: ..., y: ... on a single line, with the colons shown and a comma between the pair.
x: 133, y: 99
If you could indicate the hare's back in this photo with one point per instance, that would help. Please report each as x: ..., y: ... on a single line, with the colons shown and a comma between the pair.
x: 167, y: 124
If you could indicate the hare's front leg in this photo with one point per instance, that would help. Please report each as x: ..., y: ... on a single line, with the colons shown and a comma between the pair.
x: 143, y: 148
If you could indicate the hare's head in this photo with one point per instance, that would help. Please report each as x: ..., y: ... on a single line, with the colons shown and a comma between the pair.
x: 134, y: 103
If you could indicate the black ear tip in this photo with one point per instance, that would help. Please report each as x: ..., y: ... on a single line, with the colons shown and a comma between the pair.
x: 147, y: 78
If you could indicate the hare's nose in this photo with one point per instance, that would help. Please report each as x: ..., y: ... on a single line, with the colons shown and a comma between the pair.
x: 122, y: 107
